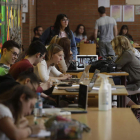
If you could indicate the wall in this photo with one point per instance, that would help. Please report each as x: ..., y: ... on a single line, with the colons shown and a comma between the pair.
x: 28, y: 26
x: 80, y: 11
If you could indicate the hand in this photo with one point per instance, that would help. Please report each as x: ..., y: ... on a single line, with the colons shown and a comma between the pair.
x: 46, y: 85
x: 22, y: 123
x: 44, y: 95
x: 66, y: 76
x: 35, y: 129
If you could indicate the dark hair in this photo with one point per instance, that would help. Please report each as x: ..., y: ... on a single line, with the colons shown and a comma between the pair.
x: 57, y: 25
x: 52, y: 49
x: 11, y: 99
x: 28, y: 74
x: 77, y: 30
x: 122, y: 28
x: 36, y: 47
x: 9, y: 45
x: 65, y: 44
x: 101, y: 9
x: 36, y: 29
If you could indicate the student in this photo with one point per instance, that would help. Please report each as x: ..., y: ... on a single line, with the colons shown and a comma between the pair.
x: 108, y: 30
x: 35, y: 54
x: 38, y: 30
x: 14, y: 105
x: 60, y: 28
x: 127, y: 61
x: 64, y: 42
x: 80, y: 32
x: 53, y: 56
x: 10, y: 52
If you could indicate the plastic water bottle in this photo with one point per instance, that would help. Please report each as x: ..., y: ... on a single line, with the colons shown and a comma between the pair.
x: 38, y: 106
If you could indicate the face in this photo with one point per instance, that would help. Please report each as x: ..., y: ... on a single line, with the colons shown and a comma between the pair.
x: 57, y: 57
x: 81, y: 29
x: 27, y: 106
x: 11, y: 55
x: 40, y: 31
x: 124, y: 31
x: 64, y: 22
x: 39, y: 58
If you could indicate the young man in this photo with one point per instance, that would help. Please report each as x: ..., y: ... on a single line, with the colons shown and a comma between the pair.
x: 108, y: 30
x: 35, y: 54
x: 10, y: 52
x: 37, y: 33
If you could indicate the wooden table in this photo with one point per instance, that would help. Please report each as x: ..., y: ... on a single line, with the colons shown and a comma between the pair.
x: 115, y: 124
x: 120, y: 91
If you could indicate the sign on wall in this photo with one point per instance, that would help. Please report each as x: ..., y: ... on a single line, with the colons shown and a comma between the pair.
x: 25, y: 6
x: 105, y: 3
x: 132, y: 2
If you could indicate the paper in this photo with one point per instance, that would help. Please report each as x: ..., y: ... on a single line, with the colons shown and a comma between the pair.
x: 133, y: 2
x: 97, y: 88
x: 25, y: 6
x: 128, y: 13
x: 105, y: 3
x: 137, y: 10
x: 116, y: 12
x: 42, y: 134
x: 23, y: 17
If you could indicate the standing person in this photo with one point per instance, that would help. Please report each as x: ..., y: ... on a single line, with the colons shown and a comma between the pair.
x: 10, y: 52
x: 38, y: 30
x: 60, y: 28
x: 80, y: 32
x: 108, y: 29
x: 14, y: 106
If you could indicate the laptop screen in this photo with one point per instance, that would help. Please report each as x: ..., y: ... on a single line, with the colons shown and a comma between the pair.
x: 82, y: 101
x: 82, y: 58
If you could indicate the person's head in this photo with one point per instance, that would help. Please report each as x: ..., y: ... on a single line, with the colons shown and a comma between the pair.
x: 54, y: 53
x: 121, y: 44
x: 38, y: 50
x: 10, y: 51
x: 101, y: 10
x: 80, y: 30
x: 124, y: 30
x: 29, y: 79
x: 38, y: 30
x: 21, y: 100
x: 65, y: 44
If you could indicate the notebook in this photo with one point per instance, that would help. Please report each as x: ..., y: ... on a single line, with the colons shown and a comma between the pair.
x: 82, y: 58
x: 82, y: 101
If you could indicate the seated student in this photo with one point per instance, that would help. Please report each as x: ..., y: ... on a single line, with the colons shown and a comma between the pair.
x: 14, y: 106
x: 64, y: 42
x: 80, y: 32
x: 127, y: 61
x: 38, y: 30
x: 53, y: 56
x: 10, y: 52
x: 35, y: 54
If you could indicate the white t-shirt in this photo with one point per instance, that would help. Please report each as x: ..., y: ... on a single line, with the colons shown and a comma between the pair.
x: 43, y: 72
x: 5, y: 112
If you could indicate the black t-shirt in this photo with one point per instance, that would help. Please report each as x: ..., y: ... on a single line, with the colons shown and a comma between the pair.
x: 35, y: 39
x: 7, y: 82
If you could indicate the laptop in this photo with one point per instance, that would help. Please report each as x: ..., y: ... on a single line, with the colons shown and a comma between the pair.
x: 90, y: 86
x: 82, y: 58
x: 76, y: 80
x: 82, y: 101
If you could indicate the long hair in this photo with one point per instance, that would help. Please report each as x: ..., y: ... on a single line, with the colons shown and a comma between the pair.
x: 57, y: 25
x: 121, y: 44
x: 11, y: 99
x: 55, y: 40
x: 122, y: 28
x: 52, y: 49
x: 77, y: 30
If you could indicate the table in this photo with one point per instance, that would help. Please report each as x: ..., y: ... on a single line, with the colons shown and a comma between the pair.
x: 120, y: 91
x: 115, y: 124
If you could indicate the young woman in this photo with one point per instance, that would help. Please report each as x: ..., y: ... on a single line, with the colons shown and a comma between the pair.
x: 80, y: 32
x: 14, y: 105
x: 60, y: 28
x: 53, y: 56
x: 128, y: 62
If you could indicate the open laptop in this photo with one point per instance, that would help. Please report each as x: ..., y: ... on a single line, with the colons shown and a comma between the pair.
x: 76, y: 80
x: 90, y: 86
x: 82, y: 58
x: 82, y: 101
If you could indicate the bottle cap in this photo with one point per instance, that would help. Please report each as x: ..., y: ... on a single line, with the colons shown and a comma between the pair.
x: 38, y: 93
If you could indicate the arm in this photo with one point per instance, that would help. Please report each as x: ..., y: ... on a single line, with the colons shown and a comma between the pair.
x: 73, y: 46
x: 115, y: 31
x: 95, y: 35
x: 62, y: 66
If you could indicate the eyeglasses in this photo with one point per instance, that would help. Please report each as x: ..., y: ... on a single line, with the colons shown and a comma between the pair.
x: 14, y: 53
x: 65, y: 20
